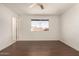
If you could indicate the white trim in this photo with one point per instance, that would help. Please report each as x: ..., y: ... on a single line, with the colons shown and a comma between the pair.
x: 37, y: 39
x: 7, y: 45
x: 69, y: 45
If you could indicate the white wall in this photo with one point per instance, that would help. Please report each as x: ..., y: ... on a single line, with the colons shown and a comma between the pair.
x: 70, y: 27
x: 6, y: 35
x: 24, y: 28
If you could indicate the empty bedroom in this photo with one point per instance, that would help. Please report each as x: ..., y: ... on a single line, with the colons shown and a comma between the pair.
x: 39, y: 29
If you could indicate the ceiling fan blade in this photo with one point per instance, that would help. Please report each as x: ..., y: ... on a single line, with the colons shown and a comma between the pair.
x: 38, y: 4
x: 33, y: 5
x: 42, y: 7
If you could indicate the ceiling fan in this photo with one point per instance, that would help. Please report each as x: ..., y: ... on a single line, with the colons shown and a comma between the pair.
x: 38, y: 4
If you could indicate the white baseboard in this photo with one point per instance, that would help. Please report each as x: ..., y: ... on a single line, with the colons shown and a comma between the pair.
x: 69, y: 45
x: 37, y: 39
x: 8, y: 44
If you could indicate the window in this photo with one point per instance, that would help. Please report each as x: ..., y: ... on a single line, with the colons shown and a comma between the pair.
x: 39, y: 25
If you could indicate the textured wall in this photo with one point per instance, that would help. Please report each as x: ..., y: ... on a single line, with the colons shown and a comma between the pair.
x: 6, y: 36
x: 70, y: 27
x: 24, y: 28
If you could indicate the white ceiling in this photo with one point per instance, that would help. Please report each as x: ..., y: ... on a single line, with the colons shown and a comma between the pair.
x: 49, y: 8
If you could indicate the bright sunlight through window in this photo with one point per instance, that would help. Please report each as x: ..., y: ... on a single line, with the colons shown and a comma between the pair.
x: 39, y: 25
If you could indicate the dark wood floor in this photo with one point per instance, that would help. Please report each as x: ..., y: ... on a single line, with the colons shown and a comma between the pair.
x: 39, y: 48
